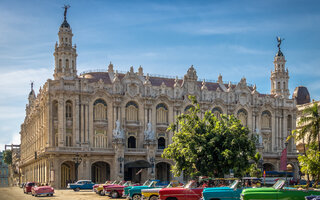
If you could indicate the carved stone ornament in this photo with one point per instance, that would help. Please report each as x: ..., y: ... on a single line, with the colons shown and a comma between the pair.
x: 118, y: 133
x: 133, y: 90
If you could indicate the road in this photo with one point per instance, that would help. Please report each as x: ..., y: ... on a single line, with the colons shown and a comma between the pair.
x: 16, y: 193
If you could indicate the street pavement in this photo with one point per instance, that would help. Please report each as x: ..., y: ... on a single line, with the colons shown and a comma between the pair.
x: 16, y: 193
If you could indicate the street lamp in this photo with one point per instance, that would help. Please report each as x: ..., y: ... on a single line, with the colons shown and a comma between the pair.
x: 120, y: 159
x: 152, y: 160
x: 77, y: 160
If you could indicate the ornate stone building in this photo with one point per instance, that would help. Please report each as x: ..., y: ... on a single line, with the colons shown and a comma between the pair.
x: 115, y: 123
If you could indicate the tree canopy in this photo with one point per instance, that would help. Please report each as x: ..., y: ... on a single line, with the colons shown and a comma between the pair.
x: 7, y: 157
x: 209, y: 146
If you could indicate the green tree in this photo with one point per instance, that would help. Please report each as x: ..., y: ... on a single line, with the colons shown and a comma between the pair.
x: 310, y: 162
x: 7, y: 157
x: 209, y: 146
x: 254, y: 170
x: 309, y: 133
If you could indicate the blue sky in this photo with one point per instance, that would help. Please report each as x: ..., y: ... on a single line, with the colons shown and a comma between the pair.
x: 234, y: 38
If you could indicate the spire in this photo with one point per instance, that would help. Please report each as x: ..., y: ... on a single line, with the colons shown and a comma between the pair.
x: 65, y: 54
x: 32, y: 94
x: 280, y: 76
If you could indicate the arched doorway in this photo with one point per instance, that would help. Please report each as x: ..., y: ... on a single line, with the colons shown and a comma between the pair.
x: 100, y: 172
x: 268, y: 167
x: 67, y: 173
x: 163, y: 171
x: 133, y: 171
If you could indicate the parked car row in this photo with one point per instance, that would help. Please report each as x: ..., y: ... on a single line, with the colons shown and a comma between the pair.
x: 37, y: 190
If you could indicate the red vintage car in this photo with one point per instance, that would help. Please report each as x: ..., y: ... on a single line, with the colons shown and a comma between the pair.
x: 27, y: 187
x: 116, y: 190
x: 191, y: 191
x: 42, y: 190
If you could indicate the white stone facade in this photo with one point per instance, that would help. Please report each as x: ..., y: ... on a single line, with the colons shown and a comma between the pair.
x: 117, y: 121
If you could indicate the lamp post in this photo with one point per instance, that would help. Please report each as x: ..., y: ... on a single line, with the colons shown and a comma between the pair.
x: 77, y: 160
x: 152, y: 160
x: 120, y: 159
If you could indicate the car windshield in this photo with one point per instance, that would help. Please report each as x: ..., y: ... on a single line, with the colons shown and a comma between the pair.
x: 191, y: 184
x: 234, y: 184
x: 279, y: 184
x: 146, y: 183
x: 153, y: 183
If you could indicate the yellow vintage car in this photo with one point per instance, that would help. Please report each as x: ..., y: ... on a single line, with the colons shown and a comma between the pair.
x: 99, y: 189
x: 153, y: 194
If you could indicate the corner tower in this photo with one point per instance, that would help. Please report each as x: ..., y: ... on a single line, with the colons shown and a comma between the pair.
x: 65, y: 55
x: 280, y: 75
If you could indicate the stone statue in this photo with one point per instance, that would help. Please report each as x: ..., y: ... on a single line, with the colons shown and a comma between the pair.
x: 65, y: 11
x: 279, y: 41
x: 149, y: 133
x: 117, y: 132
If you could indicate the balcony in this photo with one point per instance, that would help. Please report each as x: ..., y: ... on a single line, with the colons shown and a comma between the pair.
x: 136, y: 151
x: 100, y: 122
x: 162, y: 125
x: 132, y: 123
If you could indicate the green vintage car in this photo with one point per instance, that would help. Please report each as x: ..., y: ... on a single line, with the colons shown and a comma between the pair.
x: 277, y: 191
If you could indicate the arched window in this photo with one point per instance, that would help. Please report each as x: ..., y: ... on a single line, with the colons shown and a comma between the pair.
x: 266, y: 120
x: 100, y: 139
x: 162, y: 114
x: 132, y: 111
x: 243, y: 116
x: 100, y: 110
x: 278, y: 86
x: 186, y: 110
x: 67, y: 63
x: 131, y: 142
x: 217, y: 112
x: 55, y: 110
x: 60, y: 64
x: 284, y: 85
x: 289, y: 123
x: 161, y: 143
x: 69, y: 110
x: 72, y: 64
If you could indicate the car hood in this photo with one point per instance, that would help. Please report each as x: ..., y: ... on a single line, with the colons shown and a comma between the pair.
x: 177, y: 189
x: 216, y: 189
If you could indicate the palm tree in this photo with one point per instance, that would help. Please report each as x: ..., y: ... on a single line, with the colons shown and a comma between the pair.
x: 310, y: 125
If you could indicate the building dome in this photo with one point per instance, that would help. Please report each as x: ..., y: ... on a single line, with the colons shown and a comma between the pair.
x: 65, y: 24
x: 301, y: 94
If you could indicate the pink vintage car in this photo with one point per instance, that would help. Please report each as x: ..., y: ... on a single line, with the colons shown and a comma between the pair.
x: 42, y: 190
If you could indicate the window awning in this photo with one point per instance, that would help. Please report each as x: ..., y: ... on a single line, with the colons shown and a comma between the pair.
x: 138, y: 164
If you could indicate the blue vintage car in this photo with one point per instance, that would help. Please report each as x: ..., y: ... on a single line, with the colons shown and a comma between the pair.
x: 81, y: 185
x: 230, y: 192
x: 135, y: 192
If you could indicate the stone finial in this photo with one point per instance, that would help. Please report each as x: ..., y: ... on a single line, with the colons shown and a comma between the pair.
x: 220, y: 79
x: 147, y: 81
x: 254, y: 87
x: 110, y: 68
x: 140, y: 71
x: 116, y: 77
x: 176, y: 82
x: 131, y: 69
x: 191, y: 74
x: 204, y: 87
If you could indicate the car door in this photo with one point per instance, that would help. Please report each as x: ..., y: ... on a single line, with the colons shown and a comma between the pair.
x: 192, y: 193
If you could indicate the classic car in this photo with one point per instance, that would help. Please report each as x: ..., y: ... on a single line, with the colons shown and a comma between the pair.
x: 135, y: 192
x: 95, y: 186
x: 42, y: 190
x: 278, y: 191
x: 191, y: 191
x: 230, y: 192
x: 27, y: 187
x: 116, y: 191
x: 81, y: 185
x: 99, y: 189
x: 153, y: 194
x: 126, y: 189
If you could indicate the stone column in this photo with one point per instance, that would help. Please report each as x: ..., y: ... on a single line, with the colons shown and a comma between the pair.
x: 61, y: 123
x: 118, y: 159
x: 274, y: 132
x: 76, y: 121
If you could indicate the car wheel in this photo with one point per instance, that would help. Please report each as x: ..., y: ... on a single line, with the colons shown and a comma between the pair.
x: 77, y: 189
x: 136, y: 197
x: 114, y: 194
x: 153, y: 197
x: 101, y: 193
